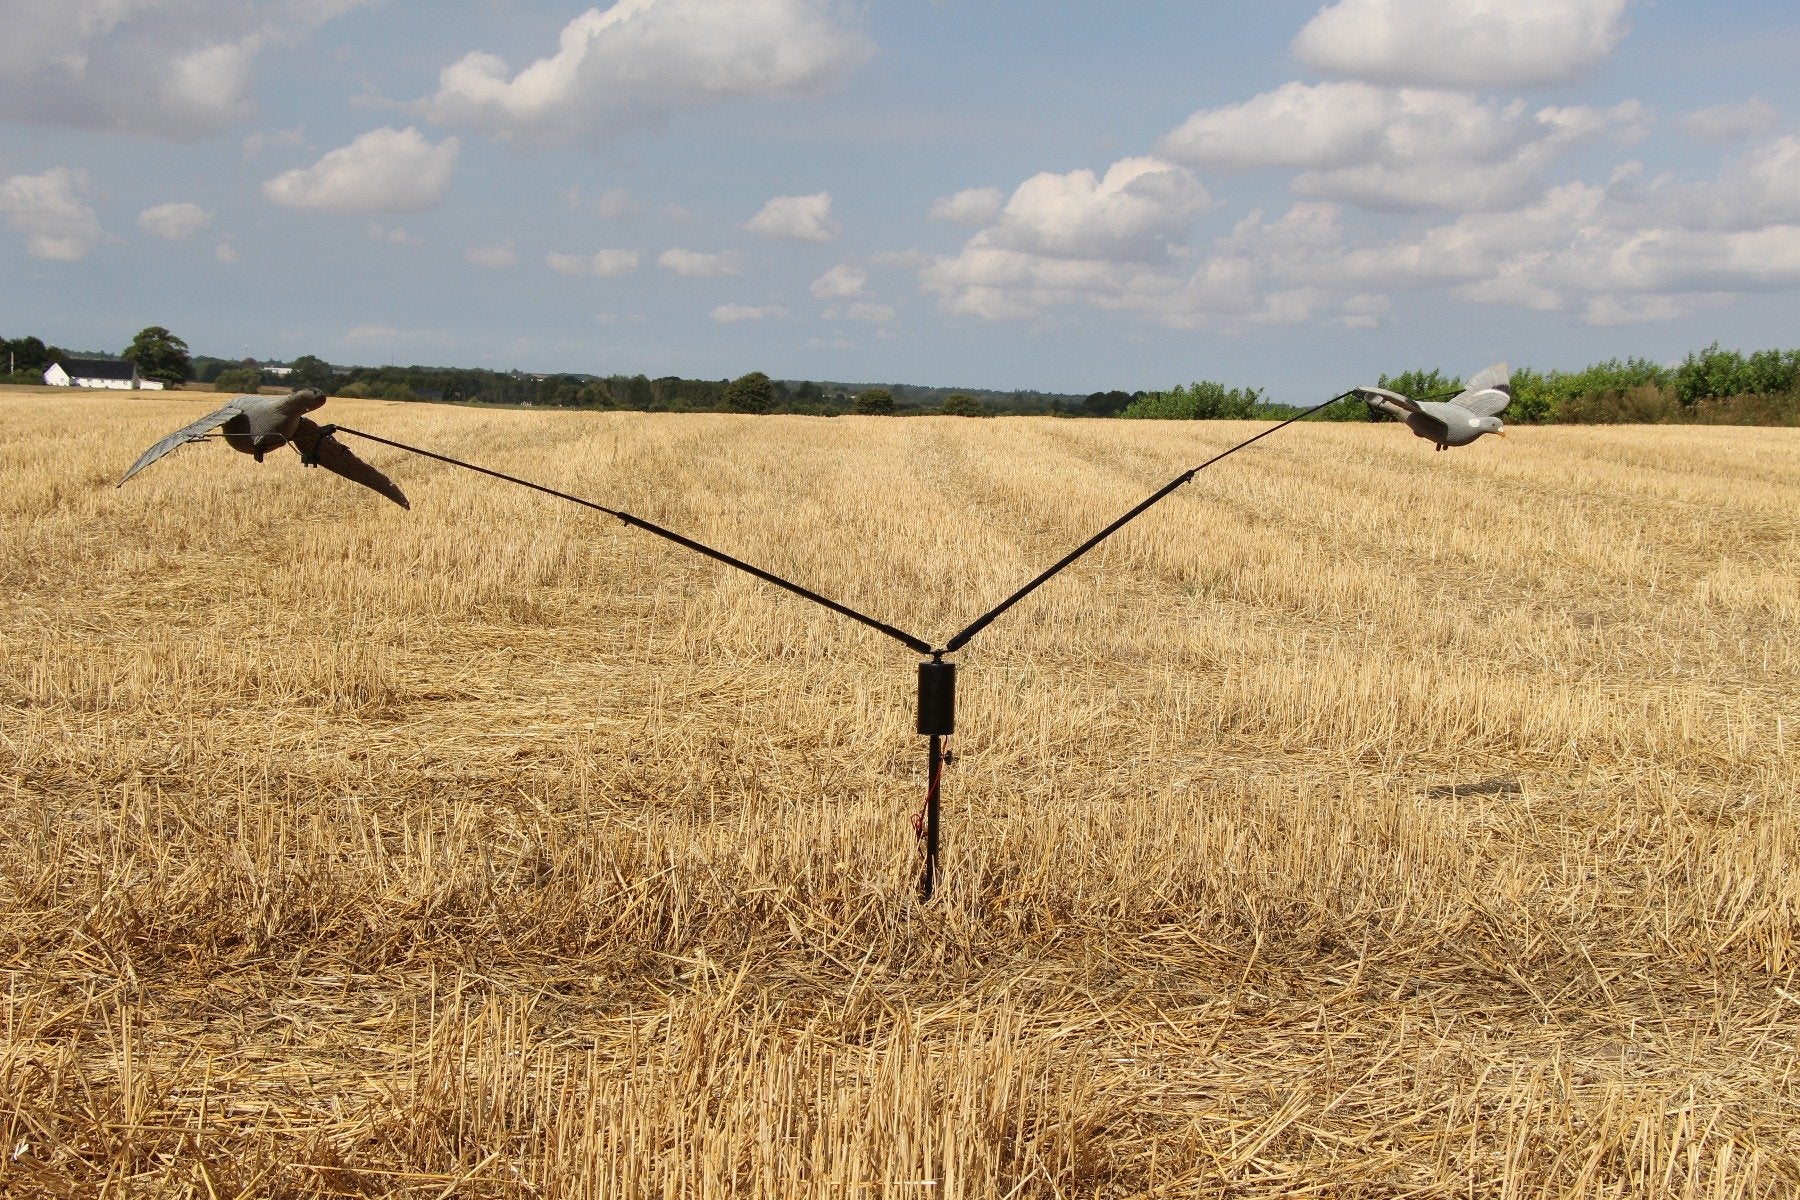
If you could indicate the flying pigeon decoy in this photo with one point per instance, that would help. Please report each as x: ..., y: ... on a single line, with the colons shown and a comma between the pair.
x: 258, y: 424
x: 1457, y: 422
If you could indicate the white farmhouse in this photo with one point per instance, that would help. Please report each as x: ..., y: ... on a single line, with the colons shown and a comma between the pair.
x: 99, y: 373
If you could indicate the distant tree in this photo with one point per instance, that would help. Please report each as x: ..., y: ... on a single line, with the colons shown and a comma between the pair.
x: 1715, y: 374
x: 159, y: 354
x: 752, y: 393
x: 1768, y: 372
x: 28, y: 357
x: 876, y: 402
x: 1422, y: 385
x: 1106, y: 404
x: 375, y: 387
x: 961, y: 405
x: 558, y: 391
x: 311, y: 371
x: 244, y: 380
x: 808, y: 393
x: 675, y: 394
x: 636, y: 394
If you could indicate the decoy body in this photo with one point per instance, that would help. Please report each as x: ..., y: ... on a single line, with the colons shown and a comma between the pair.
x: 258, y: 424
x: 1474, y: 411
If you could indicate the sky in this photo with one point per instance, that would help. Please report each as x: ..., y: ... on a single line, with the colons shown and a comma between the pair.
x: 1031, y: 194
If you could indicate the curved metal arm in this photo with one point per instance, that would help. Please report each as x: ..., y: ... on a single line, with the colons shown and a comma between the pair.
x: 899, y: 635
x: 985, y: 619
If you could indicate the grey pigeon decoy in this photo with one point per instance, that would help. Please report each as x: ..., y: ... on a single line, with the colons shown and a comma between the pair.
x: 258, y: 424
x: 1475, y: 410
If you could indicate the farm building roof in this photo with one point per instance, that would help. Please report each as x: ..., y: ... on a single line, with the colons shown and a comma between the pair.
x: 99, y: 368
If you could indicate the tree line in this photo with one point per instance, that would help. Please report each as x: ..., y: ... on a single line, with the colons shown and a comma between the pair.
x: 1710, y: 385
x: 754, y: 392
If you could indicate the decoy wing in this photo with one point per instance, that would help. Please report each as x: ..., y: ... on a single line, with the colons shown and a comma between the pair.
x: 1488, y: 402
x: 1487, y: 392
x: 1496, y: 376
x: 1389, y: 401
x: 1431, y: 420
x: 314, y: 446
x: 188, y: 433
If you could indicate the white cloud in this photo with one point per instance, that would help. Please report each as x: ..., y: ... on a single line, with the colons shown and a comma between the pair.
x: 606, y: 263
x: 496, y: 257
x: 694, y: 264
x: 1731, y: 122
x: 176, y: 222
x: 1075, y: 238
x: 1324, y: 125
x: 1580, y: 250
x: 49, y: 211
x: 971, y: 206
x: 796, y: 219
x: 869, y: 311
x: 1629, y: 250
x: 1760, y: 187
x: 225, y: 252
x: 1002, y: 284
x: 168, y: 68
x: 384, y: 170
x: 391, y: 336
x: 841, y: 282
x: 1365, y: 310
x: 733, y: 313
x: 617, y: 204
x: 372, y: 335
x: 1133, y: 211
x: 1396, y: 148
x: 1638, y: 310
x: 393, y: 237
x: 640, y: 61
x: 1472, y: 44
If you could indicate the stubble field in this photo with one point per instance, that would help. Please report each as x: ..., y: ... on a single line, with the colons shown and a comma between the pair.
x: 1361, y: 821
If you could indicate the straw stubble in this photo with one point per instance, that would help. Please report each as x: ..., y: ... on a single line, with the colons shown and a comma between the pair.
x: 1358, y: 822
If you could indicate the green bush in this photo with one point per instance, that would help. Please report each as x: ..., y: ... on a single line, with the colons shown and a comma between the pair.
x: 752, y: 393
x: 377, y: 389
x: 244, y: 380
x: 959, y: 405
x: 1646, y: 404
x: 1202, y: 400
x: 1714, y: 374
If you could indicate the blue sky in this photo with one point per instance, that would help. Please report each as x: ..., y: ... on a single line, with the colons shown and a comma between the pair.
x: 1058, y: 196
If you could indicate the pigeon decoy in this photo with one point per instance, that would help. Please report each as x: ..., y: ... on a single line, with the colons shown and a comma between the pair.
x: 258, y: 424
x: 1474, y: 411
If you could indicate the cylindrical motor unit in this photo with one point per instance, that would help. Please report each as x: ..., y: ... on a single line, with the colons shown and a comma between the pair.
x: 937, y: 698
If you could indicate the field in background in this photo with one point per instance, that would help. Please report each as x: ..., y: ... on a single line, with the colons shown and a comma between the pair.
x: 1362, y: 821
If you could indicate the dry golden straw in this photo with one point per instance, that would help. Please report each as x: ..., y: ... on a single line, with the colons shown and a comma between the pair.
x: 1358, y: 822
